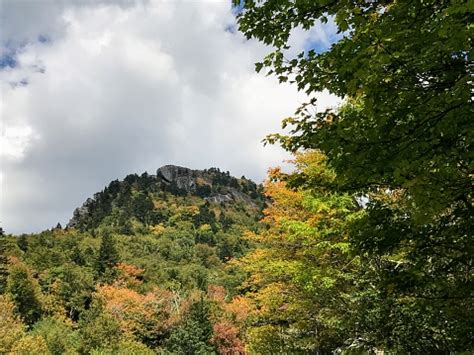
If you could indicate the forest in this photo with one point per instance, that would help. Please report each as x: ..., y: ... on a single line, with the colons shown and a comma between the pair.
x: 363, y: 247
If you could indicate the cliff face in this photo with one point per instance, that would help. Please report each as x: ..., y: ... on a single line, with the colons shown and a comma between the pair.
x: 184, y: 178
x: 136, y: 196
x: 192, y: 180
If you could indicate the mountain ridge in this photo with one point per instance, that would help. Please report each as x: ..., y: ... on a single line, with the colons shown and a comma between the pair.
x: 136, y: 196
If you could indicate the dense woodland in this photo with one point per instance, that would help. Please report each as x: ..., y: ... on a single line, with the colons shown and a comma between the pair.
x: 147, y: 268
x: 365, y: 246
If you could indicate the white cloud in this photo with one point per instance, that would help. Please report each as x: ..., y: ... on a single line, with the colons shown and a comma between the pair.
x: 126, y: 89
x: 14, y: 141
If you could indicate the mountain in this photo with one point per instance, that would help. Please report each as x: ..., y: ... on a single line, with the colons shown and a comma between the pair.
x: 147, y: 265
x: 146, y: 200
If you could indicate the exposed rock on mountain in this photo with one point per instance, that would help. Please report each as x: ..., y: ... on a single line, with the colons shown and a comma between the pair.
x: 136, y: 197
x: 183, y: 177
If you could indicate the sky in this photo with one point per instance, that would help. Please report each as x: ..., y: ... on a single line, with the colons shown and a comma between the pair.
x: 91, y: 91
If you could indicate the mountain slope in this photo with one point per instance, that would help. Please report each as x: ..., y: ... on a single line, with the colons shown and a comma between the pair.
x: 144, y: 266
x: 148, y: 200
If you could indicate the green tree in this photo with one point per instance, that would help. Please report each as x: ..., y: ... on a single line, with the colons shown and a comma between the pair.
x: 403, y: 139
x: 417, y: 279
x: 25, y: 292
x: 143, y: 207
x: 59, y: 337
x: 99, y: 330
x: 4, y: 262
x: 194, y: 334
x: 73, y: 285
x: 22, y: 242
x: 108, y: 256
x: 414, y: 55
x: 125, y: 346
x: 302, y: 274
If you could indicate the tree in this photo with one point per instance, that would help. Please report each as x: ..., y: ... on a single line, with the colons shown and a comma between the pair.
x: 22, y: 242
x: 226, y: 338
x: 108, y: 256
x: 98, y: 330
x: 302, y: 275
x: 31, y: 345
x: 59, y: 336
x: 4, y: 262
x: 124, y: 347
x: 73, y: 287
x: 11, y: 327
x: 143, y: 207
x: 420, y: 276
x: 403, y: 139
x: 147, y: 317
x: 193, y: 336
x: 25, y: 292
x: 415, y: 55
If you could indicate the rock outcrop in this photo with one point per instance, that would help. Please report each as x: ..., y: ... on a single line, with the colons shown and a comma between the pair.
x: 211, y: 185
x: 184, y: 178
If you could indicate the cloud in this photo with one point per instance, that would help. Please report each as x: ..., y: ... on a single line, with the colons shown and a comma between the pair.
x: 116, y: 88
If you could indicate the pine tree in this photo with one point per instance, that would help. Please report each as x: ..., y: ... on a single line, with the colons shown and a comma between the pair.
x: 22, y: 242
x: 108, y: 255
x: 194, y: 334
x: 3, y: 264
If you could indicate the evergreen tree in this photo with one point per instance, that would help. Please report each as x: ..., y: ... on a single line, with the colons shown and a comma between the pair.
x: 4, y: 262
x: 77, y: 256
x: 143, y: 206
x: 193, y: 336
x: 22, y: 242
x: 108, y: 256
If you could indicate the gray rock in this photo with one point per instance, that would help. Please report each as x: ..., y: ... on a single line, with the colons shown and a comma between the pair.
x: 184, y: 178
x: 79, y: 213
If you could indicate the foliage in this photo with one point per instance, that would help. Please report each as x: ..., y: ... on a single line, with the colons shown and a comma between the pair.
x: 108, y: 256
x: 25, y: 292
x: 31, y: 344
x: 22, y: 243
x: 422, y: 275
x: 3, y: 264
x: 11, y: 327
x: 124, y: 347
x: 302, y: 273
x: 72, y: 287
x: 97, y: 290
x: 414, y: 55
x: 59, y: 336
x: 226, y: 338
x: 194, y: 335
x: 147, y: 317
x: 98, y: 330
x: 402, y: 139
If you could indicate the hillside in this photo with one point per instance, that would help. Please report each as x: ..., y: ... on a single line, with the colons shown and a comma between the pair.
x: 136, y: 270
x: 147, y: 200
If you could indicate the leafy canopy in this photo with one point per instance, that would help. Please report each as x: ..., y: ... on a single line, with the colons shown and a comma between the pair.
x: 404, y: 69
x: 402, y: 138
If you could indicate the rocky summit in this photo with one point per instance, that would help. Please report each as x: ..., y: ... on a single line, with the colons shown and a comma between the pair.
x: 136, y: 197
x: 184, y: 178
